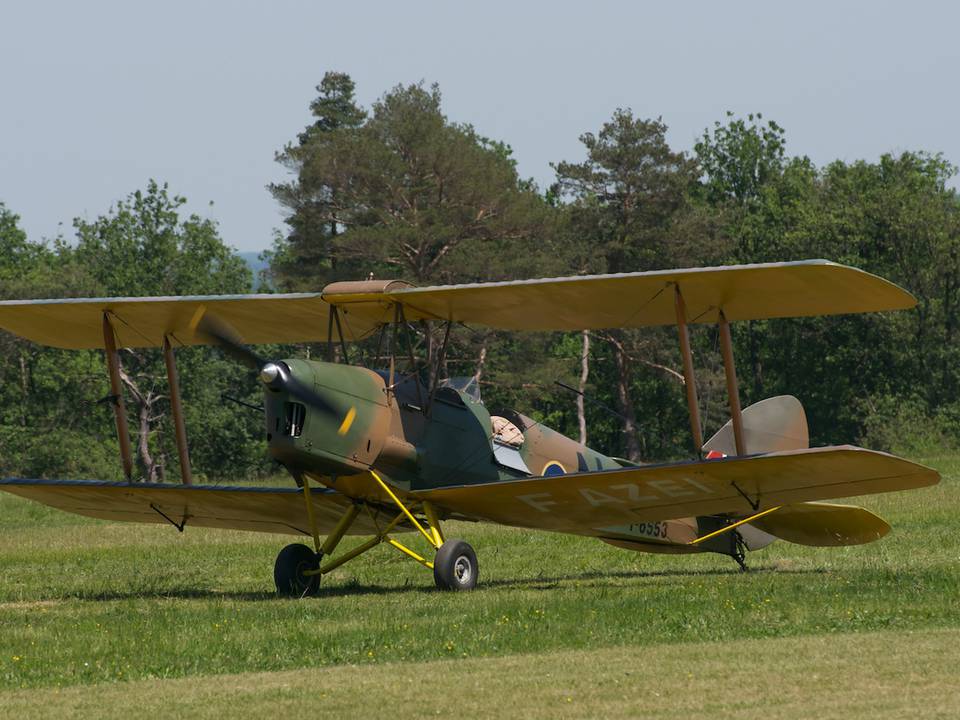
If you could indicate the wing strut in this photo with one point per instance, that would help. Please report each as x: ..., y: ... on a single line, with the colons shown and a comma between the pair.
x: 176, y: 407
x: 116, y: 391
x: 730, y: 369
x: 333, y: 320
x: 689, y: 381
x: 120, y: 408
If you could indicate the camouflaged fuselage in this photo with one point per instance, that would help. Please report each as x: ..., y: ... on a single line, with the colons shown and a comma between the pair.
x: 421, y: 443
x: 418, y: 442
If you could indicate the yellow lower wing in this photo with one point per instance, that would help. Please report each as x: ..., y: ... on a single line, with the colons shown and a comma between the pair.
x: 582, y: 502
x: 273, y: 510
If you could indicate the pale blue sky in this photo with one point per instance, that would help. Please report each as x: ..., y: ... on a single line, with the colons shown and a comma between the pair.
x: 97, y: 97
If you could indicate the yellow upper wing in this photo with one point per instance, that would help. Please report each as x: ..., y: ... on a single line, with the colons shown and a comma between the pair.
x: 143, y: 322
x: 743, y: 292
x: 585, y: 502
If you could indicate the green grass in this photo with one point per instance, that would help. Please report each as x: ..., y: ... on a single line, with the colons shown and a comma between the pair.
x: 863, y: 676
x: 85, y: 602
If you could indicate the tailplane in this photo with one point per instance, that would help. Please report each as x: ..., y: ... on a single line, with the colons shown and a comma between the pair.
x: 777, y: 424
x: 823, y: 524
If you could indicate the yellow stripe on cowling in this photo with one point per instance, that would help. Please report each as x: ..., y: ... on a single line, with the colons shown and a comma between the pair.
x: 347, y: 421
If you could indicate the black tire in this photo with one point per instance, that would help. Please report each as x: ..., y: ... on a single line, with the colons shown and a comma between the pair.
x: 455, y: 566
x: 288, y: 571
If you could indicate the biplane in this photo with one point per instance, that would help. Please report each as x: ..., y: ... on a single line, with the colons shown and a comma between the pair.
x: 379, y: 452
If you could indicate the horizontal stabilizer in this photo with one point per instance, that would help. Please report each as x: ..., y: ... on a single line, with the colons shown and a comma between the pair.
x: 771, y: 425
x: 823, y: 524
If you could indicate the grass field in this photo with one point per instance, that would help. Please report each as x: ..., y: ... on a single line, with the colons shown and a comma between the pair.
x: 102, y: 620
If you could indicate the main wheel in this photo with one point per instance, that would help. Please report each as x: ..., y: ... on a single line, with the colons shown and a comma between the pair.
x: 288, y: 571
x: 455, y: 566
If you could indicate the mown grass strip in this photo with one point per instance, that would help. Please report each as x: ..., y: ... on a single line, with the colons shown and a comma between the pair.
x: 893, y: 674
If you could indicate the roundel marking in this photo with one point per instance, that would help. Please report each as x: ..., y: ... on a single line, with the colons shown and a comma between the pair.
x: 553, y: 468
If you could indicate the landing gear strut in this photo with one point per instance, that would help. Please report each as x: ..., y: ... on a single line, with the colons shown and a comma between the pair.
x: 739, y: 551
x: 298, y: 568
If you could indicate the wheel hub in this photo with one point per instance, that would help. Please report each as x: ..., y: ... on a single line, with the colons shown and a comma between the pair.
x: 463, y: 569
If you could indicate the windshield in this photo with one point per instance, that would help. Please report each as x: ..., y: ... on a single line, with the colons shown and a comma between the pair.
x: 467, y: 385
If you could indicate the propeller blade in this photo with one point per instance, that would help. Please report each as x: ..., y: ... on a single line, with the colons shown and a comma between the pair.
x: 224, y: 336
x: 227, y: 339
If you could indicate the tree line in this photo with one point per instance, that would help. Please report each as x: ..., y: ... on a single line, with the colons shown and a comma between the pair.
x: 400, y: 190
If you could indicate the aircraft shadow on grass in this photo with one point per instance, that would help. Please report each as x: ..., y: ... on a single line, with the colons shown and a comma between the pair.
x: 593, y: 578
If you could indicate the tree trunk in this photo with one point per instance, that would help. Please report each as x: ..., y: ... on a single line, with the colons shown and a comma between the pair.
x: 430, y: 352
x: 24, y: 390
x: 147, y: 464
x: 582, y: 387
x: 626, y: 403
x: 150, y: 467
x: 481, y: 361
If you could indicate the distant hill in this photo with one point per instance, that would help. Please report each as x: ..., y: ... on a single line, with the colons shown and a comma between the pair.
x: 252, y: 258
